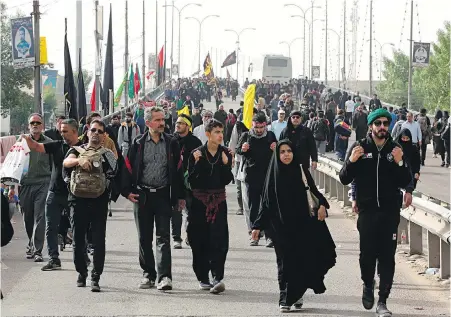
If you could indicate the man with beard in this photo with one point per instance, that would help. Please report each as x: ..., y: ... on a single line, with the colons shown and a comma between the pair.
x: 187, y: 143
x: 57, y: 195
x: 302, y: 139
x: 256, y: 147
x: 210, y: 170
x: 81, y: 164
x: 377, y: 168
x: 359, y: 123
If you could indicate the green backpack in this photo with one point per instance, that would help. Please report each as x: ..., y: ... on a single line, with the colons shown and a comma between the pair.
x: 89, y: 184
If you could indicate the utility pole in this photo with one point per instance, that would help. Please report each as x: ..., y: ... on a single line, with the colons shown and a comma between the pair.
x: 172, y: 37
x: 143, y: 72
x: 409, y: 89
x: 79, y: 33
x: 325, y: 70
x: 344, y: 45
x: 126, y: 63
x: 311, y: 48
x: 157, y: 64
x: 165, y: 31
x: 97, y: 67
x: 371, y: 48
x: 37, y: 58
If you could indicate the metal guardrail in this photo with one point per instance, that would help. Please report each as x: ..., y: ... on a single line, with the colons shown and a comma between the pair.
x: 421, y: 216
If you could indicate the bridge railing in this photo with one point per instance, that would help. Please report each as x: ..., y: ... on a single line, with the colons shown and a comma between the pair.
x: 423, y: 217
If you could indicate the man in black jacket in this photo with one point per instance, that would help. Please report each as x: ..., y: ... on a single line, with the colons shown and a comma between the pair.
x: 187, y: 143
x: 152, y: 181
x: 302, y: 138
x: 256, y: 147
x: 376, y: 167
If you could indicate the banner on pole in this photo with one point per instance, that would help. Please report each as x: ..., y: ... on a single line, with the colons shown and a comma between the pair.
x: 421, y: 53
x: 175, y: 69
x: 315, y: 72
x: 43, y: 50
x: 22, y: 42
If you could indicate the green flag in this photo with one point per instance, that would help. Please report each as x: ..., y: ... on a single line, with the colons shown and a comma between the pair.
x: 120, y: 90
x: 131, y: 81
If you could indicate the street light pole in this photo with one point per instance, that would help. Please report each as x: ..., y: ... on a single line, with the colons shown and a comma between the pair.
x: 180, y: 29
x: 200, y: 30
x: 290, y: 43
x: 238, y: 34
x: 339, y: 42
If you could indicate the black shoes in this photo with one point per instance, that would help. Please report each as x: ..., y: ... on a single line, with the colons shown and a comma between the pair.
x: 368, y: 296
x: 52, y: 266
x: 382, y: 310
x: 81, y: 280
x: 95, y: 286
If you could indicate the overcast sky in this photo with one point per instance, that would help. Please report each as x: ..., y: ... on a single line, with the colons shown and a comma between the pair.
x: 271, y: 19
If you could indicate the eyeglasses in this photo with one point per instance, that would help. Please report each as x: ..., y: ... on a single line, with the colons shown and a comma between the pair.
x: 35, y: 123
x: 94, y: 130
x: 378, y: 123
x: 295, y: 117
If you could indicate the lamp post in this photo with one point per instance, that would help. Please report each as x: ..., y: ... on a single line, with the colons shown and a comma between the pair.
x: 381, y: 47
x: 289, y: 44
x: 339, y: 41
x: 200, y: 30
x: 180, y: 32
x: 304, y: 12
x: 238, y: 34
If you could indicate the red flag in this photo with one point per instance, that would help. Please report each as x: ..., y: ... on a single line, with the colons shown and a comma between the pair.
x: 137, y: 81
x: 161, y: 56
x: 161, y: 69
x: 93, y: 98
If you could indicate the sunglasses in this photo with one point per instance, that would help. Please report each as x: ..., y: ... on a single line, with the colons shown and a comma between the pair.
x: 94, y: 130
x: 295, y: 117
x: 378, y: 123
x: 35, y: 123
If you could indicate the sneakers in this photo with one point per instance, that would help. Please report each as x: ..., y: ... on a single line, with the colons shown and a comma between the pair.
x: 165, y: 284
x: 177, y: 244
x: 95, y: 286
x: 81, y: 280
x: 253, y: 243
x: 269, y: 243
x: 218, y: 287
x: 29, y: 254
x: 52, y: 266
x: 146, y: 283
x: 239, y: 212
x: 205, y: 286
x: 298, y: 305
x: 38, y: 258
x: 284, y: 309
x: 382, y: 310
x: 368, y: 296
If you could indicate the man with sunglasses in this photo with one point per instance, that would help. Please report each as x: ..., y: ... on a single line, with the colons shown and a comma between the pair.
x: 33, y: 191
x: 302, y: 138
x: 377, y: 168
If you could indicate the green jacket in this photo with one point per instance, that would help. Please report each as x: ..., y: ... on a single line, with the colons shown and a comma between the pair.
x: 39, y: 170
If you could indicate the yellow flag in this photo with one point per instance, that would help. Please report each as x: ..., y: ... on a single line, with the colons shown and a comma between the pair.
x: 43, y: 50
x: 248, y: 108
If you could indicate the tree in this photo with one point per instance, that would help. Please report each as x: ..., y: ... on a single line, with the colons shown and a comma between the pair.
x: 14, y: 100
x: 87, y: 78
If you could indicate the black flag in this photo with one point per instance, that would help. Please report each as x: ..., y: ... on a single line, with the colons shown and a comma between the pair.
x: 70, y: 93
x: 230, y: 60
x: 108, y: 74
x: 82, y: 111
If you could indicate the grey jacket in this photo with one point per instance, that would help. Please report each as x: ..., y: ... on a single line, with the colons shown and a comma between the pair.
x: 39, y: 170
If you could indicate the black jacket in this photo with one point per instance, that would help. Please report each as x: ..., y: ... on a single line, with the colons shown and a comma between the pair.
x: 303, y: 140
x: 376, y: 175
x: 187, y: 145
x: 53, y: 134
x: 133, y: 167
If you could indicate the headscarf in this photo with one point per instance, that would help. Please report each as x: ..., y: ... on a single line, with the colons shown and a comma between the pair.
x: 407, y: 146
x: 284, y: 179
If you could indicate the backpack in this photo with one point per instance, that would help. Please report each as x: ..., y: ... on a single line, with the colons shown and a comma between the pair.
x: 319, y: 130
x: 425, y: 130
x: 89, y: 184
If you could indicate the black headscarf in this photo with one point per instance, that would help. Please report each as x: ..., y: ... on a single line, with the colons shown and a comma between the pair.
x: 407, y: 146
x: 281, y: 179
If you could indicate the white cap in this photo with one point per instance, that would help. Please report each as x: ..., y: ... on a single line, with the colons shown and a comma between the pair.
x: 281, y: 111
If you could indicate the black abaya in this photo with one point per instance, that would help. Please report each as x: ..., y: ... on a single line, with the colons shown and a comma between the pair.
x: 294, y: 231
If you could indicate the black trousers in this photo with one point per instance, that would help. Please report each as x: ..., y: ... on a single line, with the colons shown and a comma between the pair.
x: 87, y: 212
x: 423, y: 148
x: 254, y: 192
x: 378, y: 241
x: 154, y: 207
x: 447, y: 150
x: 209, y: 241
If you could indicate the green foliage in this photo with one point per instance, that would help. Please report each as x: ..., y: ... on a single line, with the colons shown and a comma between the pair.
x: 87, y: 78
x: 13, y: 100
x: 430, y: 85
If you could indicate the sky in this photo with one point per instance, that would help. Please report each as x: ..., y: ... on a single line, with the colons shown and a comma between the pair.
x: 272, y: 21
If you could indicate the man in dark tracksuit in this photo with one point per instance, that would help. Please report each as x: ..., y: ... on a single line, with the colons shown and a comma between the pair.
x: 376, y: 166
x: 302, y: 138
x: 256, y: 147
x: 187, y: 143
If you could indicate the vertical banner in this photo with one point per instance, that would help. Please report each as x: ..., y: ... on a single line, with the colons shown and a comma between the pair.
x: 316, y: 72
x: 22, y: 42
x: 43, y: 51
x: 421, y: 53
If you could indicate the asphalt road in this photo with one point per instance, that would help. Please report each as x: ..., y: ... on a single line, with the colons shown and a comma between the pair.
x: 250, y: 278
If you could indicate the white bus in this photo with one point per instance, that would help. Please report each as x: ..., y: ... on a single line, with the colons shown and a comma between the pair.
x: 277, y: 68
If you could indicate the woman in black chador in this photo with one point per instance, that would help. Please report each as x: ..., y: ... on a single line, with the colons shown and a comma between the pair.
x: 296, y: 231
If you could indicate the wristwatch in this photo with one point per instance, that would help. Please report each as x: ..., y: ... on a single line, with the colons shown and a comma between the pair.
x: 401, y: 163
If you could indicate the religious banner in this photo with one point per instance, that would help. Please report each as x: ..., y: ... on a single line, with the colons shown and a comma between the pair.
x: 315, y: 72
x: 421, y: 53
x: 22, y: 42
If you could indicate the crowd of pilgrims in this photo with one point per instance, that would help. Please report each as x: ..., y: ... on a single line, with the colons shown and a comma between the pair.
x: 168, y: 164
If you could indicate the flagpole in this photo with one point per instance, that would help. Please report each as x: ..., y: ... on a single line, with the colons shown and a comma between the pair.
x: 157, y: 64
x: 144, y: 48
x: 165, y: 31
x: 126, y: 54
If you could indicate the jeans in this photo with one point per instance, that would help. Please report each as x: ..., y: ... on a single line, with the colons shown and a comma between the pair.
x: 55, y: 205
x: 239, y: 194
x: 154, y: 208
